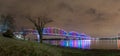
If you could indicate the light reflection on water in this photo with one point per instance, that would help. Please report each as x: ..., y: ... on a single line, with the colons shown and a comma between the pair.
x: 87, y: 44
x: 84, y: 44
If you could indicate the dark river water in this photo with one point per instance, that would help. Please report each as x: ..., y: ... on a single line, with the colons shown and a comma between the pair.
x: 86, y: 44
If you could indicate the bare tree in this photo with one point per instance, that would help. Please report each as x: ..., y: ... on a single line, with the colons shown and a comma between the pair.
x: 40, y: 24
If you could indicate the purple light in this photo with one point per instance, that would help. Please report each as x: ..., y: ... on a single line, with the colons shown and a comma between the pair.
x: 73, y: 34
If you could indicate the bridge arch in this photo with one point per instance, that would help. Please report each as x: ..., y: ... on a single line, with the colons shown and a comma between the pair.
x: 76, y: 35
x: 54, y: 31
x: 73, y: 34
x: 84, y: 36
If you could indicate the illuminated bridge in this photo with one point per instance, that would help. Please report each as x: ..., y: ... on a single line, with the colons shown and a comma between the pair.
x: 52, y: 32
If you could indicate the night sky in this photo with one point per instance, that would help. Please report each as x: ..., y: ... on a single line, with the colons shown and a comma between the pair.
x: 97, y: 18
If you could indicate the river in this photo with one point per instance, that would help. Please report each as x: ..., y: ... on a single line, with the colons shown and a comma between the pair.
x: 86, y: 44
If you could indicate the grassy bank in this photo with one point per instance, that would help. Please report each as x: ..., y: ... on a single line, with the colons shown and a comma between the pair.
x: 13, y: 47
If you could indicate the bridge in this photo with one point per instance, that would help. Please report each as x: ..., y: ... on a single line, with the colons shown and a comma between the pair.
x: 53, y: 32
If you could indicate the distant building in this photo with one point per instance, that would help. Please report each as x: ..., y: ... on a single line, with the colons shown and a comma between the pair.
x: 3, y: 26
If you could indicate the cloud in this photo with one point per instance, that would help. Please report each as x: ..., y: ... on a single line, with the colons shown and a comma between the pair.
x: 94, y: 17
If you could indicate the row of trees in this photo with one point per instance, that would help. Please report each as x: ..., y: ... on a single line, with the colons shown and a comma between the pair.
x: 7, y: 24
x: 39, y: 24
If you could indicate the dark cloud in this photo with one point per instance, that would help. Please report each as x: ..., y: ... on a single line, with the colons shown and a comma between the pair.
x: 91, y: 11
x: 100, y: 17
x: 65, y: 6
